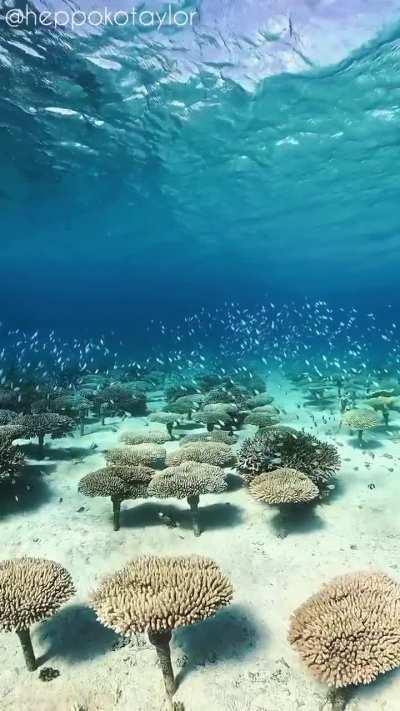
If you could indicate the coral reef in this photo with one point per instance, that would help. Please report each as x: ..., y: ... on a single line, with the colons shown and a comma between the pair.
x: 121, y: 399
x: 360, y: 420
x: 283, y: 486
x: 261, y: 419
x: 11, y: 458
x: 7, y: 416
x: 211, y: 418
x: 145, y: 436
x: 259, y: 400
x: 40, y: 425
x: 278, y: 448
x: 214, y: 436
x: 216, y: 453
x: 349, y: 632
x: 31, y: 590
x: 383, y: 404
x: 152, y: 594
x: 185, y: 404
x: 169, y: 419
x: 119, y: 483
x: 75, y: 405
x: 188, y: 480
x: 148, y: 454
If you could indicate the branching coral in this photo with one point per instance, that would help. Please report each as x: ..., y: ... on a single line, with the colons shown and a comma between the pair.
x: 8, y: 398
x: 221, y: 408
x: 31, y: 590
x: 158, y: 595
x: 188, y: 480
x: 121, y: 399
x: 252, y: 381
x: 185, y: 405
x: 7, y: 416
x: 259, y: 400
x: 173, y: 390
x: 11, y: 458
x: 169, y: 419
x: 73, y: 405
x: 10, y: 432
x: 216, y: 453
x: 383, y: 404
x: 210, y: 418
x: 349, y: 632
x: 148, y: 454
x: 278, y: 448
x: 360, y: 420
x: 119, y: 483
x: 214, y: 436
x: 138, y: 386
x: 283, y: 486
x: 261, y: 419
x: 228, y: 392
x: 43, y: 424
x: 145, y: 436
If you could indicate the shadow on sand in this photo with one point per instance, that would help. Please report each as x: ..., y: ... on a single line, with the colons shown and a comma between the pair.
x: 371, y: 692
x: 296, y: 519
x: 232, y: 634
x: 29, y: 492
x: 368, y: 444
x: 214, y: 516
x: 234, y: 481
x: 333, y: 494
x: 74, y: 634
x: 56, y: 453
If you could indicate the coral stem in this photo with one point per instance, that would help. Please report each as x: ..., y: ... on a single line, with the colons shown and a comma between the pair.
x: 337, y: 699
x: 161, y: 642
x: 193, y: 502
x: 26, y: 644
x: 169, y: 427
x: 116, y: 512
x: 82, y: 423
x: 41, y: 445
x: 386, y: 417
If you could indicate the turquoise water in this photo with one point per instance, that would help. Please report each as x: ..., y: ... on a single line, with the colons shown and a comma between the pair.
x: 198, y: 164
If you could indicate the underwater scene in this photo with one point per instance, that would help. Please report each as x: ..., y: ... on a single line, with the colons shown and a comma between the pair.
x: 199, y: 355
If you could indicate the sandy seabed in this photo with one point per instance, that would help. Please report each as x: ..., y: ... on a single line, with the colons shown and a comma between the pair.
x: 240, y: 660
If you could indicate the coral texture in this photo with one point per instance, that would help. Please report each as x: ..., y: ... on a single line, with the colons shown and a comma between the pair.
x: 119, y: 482
x: 261, y: 418
x: 276, y: 448
x: 145, y: 436
x: 45, y: 423
x: 31, y: 590
x: 7, y: 416
x: 186, y: 480
x: 361, y: 419
x: 349, y: 633
x: 283, y: 486
x: 153, y: 593
x: 214, y: 436
x: 11, y: 458
x: 148, y: 454
x: 215, y: 453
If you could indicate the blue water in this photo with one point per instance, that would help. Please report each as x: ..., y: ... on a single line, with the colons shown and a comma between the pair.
x: 147, y: 174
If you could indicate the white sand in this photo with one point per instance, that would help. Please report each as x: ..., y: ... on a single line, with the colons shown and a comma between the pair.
x: 238, y: 661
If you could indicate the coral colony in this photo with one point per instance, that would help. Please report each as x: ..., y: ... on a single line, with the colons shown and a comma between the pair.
x: 198, y: 429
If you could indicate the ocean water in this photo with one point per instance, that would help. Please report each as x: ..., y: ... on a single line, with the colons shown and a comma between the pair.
x: 200, y: 200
